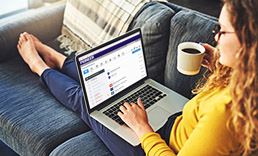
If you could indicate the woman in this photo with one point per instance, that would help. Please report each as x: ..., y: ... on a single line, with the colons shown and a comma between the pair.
x: 220, y: 120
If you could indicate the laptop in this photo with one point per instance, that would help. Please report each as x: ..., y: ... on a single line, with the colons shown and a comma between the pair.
x: 116, y: 72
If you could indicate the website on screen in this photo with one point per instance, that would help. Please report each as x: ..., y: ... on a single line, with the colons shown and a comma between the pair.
x: 111, y: 69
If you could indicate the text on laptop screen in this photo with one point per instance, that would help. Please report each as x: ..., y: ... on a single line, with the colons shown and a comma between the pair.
x: 110, y: 69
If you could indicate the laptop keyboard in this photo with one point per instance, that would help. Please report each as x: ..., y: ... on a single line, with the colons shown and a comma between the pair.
x: 148, y: 95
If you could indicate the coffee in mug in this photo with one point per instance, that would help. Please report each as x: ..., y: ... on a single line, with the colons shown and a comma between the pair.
x: 189, y: 58
x: 191, y: 51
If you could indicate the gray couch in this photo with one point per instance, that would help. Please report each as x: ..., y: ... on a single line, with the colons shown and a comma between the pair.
x: 33, y: 122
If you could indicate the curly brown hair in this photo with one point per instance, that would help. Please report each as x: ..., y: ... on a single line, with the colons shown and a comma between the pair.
x: 242, y: 78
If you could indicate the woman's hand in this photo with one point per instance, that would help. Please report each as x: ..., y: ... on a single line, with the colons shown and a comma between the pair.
x: 135, y: 116
x: 208, y: 55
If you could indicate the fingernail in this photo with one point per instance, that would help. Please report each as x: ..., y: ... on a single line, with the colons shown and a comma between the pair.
x: 200, y: 43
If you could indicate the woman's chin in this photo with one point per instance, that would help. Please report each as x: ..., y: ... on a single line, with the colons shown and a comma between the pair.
x: 225, y: 63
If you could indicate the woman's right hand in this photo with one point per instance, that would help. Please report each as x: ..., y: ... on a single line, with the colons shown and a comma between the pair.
x: 135, y: 116
x: 209, y: 51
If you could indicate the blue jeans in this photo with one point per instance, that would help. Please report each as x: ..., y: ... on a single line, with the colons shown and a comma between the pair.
x: 65, y: 86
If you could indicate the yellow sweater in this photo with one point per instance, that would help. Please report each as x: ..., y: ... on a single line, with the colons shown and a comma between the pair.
x: 201, y: 130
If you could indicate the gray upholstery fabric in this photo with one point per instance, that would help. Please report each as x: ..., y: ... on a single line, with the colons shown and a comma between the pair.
x: 154, y: 19
x: 34, y: 23
x: 84, y: 144
x: 186, y: 25
x: 32, y: 121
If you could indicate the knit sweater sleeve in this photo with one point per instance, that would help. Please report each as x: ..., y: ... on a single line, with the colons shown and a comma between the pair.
x: 153, y: 144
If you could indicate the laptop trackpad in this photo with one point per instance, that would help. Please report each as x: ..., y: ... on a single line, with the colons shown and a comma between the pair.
x: 157, y: 116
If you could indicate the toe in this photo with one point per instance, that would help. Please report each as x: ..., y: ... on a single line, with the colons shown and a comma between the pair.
x: 22, y: 38
x: 30, y: 39
x: 20, y: 42
x: 19, y: 46
x: 26, y: 36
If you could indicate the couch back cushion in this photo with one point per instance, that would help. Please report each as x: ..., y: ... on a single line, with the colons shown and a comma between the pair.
x: 186, y: 25
x: 154, y: 21
x: 89, y: 23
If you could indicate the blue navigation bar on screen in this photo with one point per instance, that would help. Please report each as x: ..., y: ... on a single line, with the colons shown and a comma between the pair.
x: 136, y: 50
x: 121, y: 44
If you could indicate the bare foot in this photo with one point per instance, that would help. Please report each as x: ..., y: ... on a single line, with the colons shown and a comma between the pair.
x: 35, y: 39
x: 29, y: 54
x: 52, y: 58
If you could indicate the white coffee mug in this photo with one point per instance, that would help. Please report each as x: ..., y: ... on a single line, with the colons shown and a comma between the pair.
x: 189, y: 58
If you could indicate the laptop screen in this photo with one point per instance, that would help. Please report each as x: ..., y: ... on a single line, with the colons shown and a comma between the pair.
x: 108, y: 70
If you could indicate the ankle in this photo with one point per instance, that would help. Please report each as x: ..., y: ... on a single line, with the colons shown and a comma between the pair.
x: 61, y: 61
x: 53, y: 58
x: 38, y: 66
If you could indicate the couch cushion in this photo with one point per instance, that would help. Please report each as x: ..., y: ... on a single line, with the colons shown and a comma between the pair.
x: 186, y: 25
x: 154, y: 20
x: 85, y: 144
x: 32, y: 121
x: 93, y: 22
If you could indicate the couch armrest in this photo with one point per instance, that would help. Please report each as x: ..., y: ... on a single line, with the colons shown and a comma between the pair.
x: 45, y: 23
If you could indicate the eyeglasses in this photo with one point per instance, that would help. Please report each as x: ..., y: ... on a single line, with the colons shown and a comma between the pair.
x: 217, y: 33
